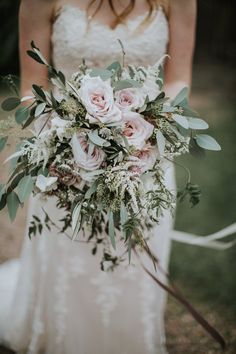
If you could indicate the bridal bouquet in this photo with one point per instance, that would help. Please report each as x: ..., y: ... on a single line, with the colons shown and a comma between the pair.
x: 100, y: 146
x: 100, y: 138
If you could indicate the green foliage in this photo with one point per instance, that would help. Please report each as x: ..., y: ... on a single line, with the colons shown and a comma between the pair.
x: 192, y: 191
x: 123, y: 84
x: 21, y: 114
x: 3, y: 141
x: 103, y: 73
x: 181, y: 97
x: 207, y: 142
x: 12, y: 205
x: 35, y: 227
x: 25, y: 188
x: 111, y: 229
x: 11, y: 103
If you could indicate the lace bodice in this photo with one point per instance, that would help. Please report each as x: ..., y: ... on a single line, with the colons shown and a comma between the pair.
x: 97, y: 43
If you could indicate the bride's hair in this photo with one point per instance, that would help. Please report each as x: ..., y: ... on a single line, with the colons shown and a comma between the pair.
x: 120, y: 17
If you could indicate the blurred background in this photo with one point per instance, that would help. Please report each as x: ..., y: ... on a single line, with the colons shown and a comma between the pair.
x: 206, y: 276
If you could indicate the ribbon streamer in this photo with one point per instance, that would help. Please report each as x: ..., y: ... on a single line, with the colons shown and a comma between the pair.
x: 176, y: 293
x: 210, y: 241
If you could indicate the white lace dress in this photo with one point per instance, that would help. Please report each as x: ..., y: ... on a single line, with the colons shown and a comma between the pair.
x: 55, y: 299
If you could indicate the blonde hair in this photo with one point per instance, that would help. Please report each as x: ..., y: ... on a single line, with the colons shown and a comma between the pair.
x: 121, y: 17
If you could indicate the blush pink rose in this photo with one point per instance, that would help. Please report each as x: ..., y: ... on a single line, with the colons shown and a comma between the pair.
x: 88, y: 160
x: 98, y: 98
x: 137, y: 130
x: 129, y: 98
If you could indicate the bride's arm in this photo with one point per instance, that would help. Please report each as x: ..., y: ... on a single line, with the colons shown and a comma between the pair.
x: 182, y: 23
x: 34, y: 24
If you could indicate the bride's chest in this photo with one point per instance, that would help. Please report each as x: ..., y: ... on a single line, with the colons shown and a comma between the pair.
x: 73, y: 39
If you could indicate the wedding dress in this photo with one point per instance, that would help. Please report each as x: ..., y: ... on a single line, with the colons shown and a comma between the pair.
x: 55, y: 299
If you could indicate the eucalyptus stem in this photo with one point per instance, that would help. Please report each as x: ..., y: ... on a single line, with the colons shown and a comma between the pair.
x: 123, y: 52
x: 180, y: 165
x: 45, y: 123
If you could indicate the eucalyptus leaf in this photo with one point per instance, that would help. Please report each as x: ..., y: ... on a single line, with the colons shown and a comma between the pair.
x: 11, y: 103
x: 196, y: 150
x: 21, y: 114
x: 91, y: 190
x: 39, y: 93
x: 197, y: 123
x: 96, y: 139
x: 43, y: 171
x: 37, y: 51
x: 73, y: 88
x: 62, y: 77
x: 161, y: 73
x: 53, y: 101
x: 25, y: 188
x: 12, y: 204
x: 123, y: 214
x: 102, y: 73
x: 111, y: 229
x: 181, y: 120
x: 15, y: 181
x: 57, y: 82
x: 3, y: 201
x: 76, y: 220
x: 28, y: 121
x: 181, y: 96
x: 116, y: 67
x: 2, y: 189
x: 35, y: 56
x: 207, y: 142
x: 123, y: 84
x: 161, y: 142
x: 168, y: 109
x: 3, y: 141
x: 39, y: 109
x: 40, y: 56
x: 19, y: 168
x: 75, y: 215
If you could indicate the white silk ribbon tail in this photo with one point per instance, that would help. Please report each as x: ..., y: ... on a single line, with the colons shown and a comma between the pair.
x: 210, y: 241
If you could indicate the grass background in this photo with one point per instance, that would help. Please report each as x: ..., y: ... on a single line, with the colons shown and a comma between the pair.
x: 208, y: 276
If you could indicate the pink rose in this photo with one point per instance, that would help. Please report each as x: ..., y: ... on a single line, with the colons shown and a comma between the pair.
x: 98, y: 99
x: 137, y: 130
x: 86, y: 159
x: 129, y: 98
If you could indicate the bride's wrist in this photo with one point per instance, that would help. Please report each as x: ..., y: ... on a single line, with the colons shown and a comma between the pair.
x: 173, y: 88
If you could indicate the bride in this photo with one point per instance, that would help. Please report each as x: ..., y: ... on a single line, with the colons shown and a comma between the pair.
x: 55, y: 299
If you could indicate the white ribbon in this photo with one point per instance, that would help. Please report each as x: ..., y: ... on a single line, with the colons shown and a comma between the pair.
x: 210, y: 241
